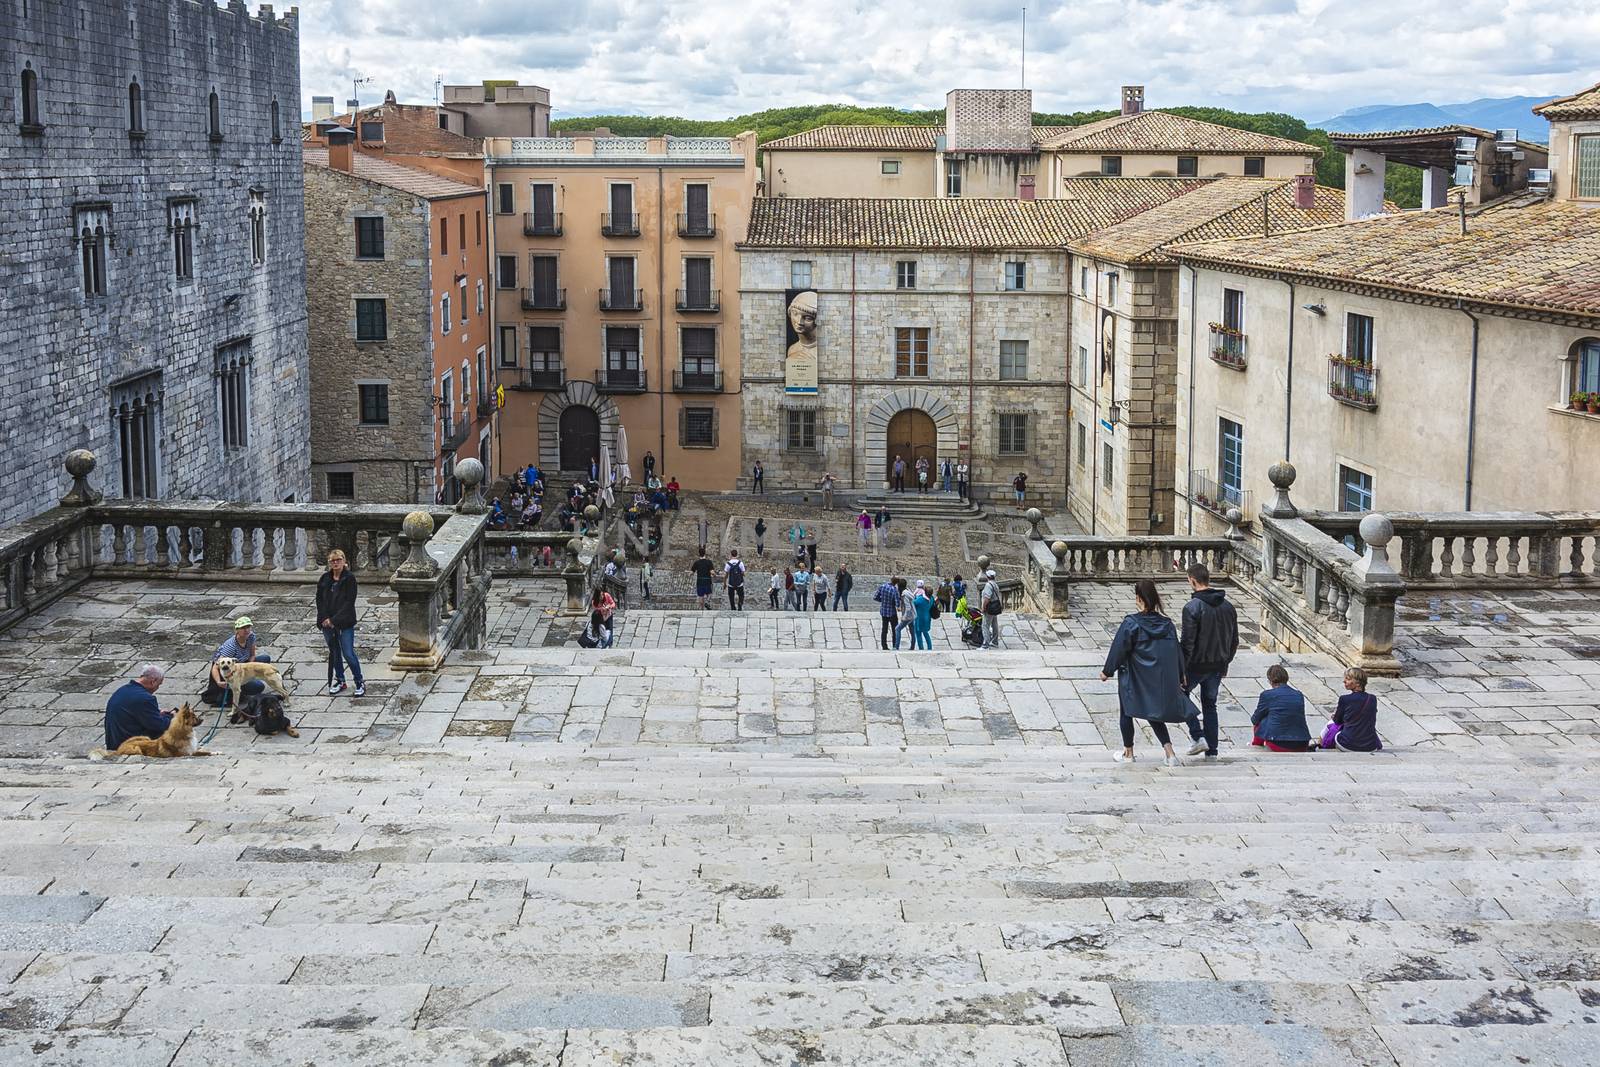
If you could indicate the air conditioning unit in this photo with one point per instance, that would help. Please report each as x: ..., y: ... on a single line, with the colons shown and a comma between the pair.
x: 1504, y: 139
x: 1539, y: 179
x: 1466, y: 146
x: 1518, y: 155
x: 1463, y: 174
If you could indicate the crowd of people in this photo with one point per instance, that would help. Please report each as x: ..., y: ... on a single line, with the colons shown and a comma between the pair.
x: 522, y: 507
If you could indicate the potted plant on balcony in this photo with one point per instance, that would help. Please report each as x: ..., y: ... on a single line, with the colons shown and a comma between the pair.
x: 1577, y: 401
x: 1593, y: 401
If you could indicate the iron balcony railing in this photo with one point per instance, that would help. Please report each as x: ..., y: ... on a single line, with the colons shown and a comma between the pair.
x: 1353, y: 381
x: 695, y: 381
x: 621, y: 380
x: 541, y: 224
x: 622, y: 300
x: 617, y: 224
x: 541, y: 379
x: 699, y: 299
x: 1207, y: 493
x: 485, y: 405
x: 1227, y: 347
x: 697, y: 225
x: 456, y: 430
x: 544, y: 299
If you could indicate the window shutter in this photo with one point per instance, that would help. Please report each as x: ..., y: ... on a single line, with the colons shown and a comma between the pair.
x: 716, y: 419
x: 683, y: 426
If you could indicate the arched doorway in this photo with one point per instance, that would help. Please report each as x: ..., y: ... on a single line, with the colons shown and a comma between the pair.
x: 580, y: 437
x: 912, y: 436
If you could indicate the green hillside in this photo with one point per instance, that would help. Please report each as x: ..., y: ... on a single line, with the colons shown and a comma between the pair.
x: 1404, y: 183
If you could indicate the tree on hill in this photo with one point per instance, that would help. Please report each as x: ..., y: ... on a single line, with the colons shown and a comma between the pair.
x: 1403, y: 184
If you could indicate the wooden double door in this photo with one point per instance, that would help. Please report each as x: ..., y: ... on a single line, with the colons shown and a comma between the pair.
x: 580, y: 437
x: 912, y: 436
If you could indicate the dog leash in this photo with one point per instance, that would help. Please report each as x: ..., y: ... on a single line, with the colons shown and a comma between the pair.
x: 217, y: 725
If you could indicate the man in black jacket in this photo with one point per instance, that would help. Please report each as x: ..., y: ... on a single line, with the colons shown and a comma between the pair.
x: 1210, y: 640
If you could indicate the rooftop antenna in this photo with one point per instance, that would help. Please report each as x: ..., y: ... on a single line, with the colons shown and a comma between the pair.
x: 438, y: 89
x: 355, y: 91
x: 1024, y: 46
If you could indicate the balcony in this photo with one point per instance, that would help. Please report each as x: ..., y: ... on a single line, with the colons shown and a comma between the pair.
x: 485, y: 406
x: 699, y: 299
x: 697, y: 225
x: 541, y: 299
x: 620, y: 380
x: 456, y: 430
x: 537, y: 379
x: 1206, y: 493
x: 615, y: 224
x: 1353, y: 381
x: 541, y: 224
x: 694, y: 381
x: 1227, y: 346
x: 622, y: 300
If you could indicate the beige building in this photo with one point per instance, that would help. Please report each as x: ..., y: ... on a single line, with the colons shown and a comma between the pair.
x: 1399, y: 362
x: 989, y: 147
x: 1478, y: 164
x: 495, y: 109
x: 1125, y: 391
x: 1575, y: 144
x: 617, y: 301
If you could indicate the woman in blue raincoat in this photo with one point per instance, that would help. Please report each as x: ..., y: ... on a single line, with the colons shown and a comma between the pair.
x: 1148, y: 662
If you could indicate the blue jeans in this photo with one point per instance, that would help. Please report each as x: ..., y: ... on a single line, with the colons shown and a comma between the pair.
x: 922, y: 635
x: 1208, y: 684
x: 900, y: 628
x: 841, y: 598
x: 342, y: 650
x: 946, y: 482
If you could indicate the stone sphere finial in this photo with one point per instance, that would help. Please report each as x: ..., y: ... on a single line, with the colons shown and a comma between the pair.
x: 1034, y: 517
x: 80, y: 464
x: 418, y: 527
x: 574, y: 550
x: 1377, y: 529
x: 983, y: 563
x: 469, y: 472
x: 592, y: 512
x: 418, y: 530
x: 1058, y: 549
x: 1281, y: 475
x: 1234, y: 517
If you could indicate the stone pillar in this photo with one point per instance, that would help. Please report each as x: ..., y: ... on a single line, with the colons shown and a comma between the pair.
x: 1060, y: 586
x: 1282, y: 476
x: 1435, y: 187
x: 1363, y: 184
x: 417, y: 583
x: 577, y: 579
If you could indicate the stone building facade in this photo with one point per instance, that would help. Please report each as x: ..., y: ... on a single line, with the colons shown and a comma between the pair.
x: 398, y: 290
x: 151, y: 290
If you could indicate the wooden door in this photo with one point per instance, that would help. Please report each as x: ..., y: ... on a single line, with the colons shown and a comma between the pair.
x: 580, y: 438
x: 912, y: 435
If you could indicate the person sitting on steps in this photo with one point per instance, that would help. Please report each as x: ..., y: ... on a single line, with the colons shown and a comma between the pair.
x: 1280, y: 715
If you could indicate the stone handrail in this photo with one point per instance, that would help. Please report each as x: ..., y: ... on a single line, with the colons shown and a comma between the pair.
x: 522, y: 552
x: 443, y: 588
x: 1517, y: 549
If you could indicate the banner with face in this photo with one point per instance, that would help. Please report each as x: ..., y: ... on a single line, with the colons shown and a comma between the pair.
x: 800, y: 338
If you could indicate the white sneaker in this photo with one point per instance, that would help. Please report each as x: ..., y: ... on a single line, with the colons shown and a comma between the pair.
x: 335, y: 688
x: 359, y: 691
x: 1173, y: 761
x: 1198, y: 748
x: 1121, y: 756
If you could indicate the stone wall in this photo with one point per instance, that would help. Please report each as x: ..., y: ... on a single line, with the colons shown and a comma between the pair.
x: 384, y: 459
x: 961, y: 301
x: 62, y: 352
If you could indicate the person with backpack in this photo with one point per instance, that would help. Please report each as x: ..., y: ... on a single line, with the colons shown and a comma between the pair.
x: 842, y: 583
x: 922, y: 619
x: 991, y: 603
x: 1148, y: 662
x: 1210, y: 641
x: 733, y: 575
x: 922, y: 474
x: 1019, y: 485
x: 888, y: 598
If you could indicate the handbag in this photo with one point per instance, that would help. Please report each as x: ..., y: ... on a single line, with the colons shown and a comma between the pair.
x: 933, y: 612
x: 1330, y: 733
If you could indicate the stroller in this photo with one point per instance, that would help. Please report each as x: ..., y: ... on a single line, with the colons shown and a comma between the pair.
x: 972, y: 632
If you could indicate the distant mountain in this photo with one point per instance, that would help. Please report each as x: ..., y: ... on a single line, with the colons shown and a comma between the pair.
x: 1488, y: 114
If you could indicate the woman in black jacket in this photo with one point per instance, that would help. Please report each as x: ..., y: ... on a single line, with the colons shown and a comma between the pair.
x: 1148, y: 662
x: 336, y: 615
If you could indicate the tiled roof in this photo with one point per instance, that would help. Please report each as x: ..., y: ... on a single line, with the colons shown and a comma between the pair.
x: 964, y: 223
x: 906, y: 138
x: 406, y: 179
x: 1227, y: 207
x: 1158, y: 131
x: 1526, y: 252
x: 1581, y: 105
x: 411, y: 129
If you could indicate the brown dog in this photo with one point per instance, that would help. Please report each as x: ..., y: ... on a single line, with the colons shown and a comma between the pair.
x: 234, y: 674
x: 177, y: 740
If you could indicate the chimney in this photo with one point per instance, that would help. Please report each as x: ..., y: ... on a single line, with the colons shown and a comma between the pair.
x: 341, y: 148
x: 1025, y: 187
x: 388, y: 96
x: 1132, y: 99
x: 1305, y: 191
x: 321, y: 108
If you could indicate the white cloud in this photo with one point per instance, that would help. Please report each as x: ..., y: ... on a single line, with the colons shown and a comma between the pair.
x: 717, y: 58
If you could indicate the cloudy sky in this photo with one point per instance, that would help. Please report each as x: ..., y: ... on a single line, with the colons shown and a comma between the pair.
x: 716, y: 58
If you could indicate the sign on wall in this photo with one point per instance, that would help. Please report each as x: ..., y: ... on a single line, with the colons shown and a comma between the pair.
x: 800, y: 336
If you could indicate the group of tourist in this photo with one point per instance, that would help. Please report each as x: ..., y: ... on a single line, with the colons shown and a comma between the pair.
x: 1157, y: 670
x: 951, y: 475
x: 912, y: 605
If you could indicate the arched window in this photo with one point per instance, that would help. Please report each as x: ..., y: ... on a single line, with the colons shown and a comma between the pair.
x: 32, y: 121
x: 135, y: 109
x: 1584, y: 360
x: 214, y: 115
x: 277, y: 131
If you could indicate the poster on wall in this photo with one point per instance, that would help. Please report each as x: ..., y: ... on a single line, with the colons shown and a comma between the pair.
x: 800, y: 335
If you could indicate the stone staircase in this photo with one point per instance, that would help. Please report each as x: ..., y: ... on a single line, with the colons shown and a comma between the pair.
x: 1011, y: 906
x: 922, y: 506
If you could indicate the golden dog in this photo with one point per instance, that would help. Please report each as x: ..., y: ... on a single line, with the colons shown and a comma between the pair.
x: 177, y: 740
x: 234, y: 674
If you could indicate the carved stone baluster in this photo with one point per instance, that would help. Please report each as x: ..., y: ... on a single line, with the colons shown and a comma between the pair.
x: 1447, y: 557
x: 1469, y: 555
x: 119, y: 543
x: 1594, y: 556
x: 269, y: 548
x: 1514, y: 554
x: 1577, y: 556
x: 163, y: 546
x: 1491, y: 556
x: 1341, y: 605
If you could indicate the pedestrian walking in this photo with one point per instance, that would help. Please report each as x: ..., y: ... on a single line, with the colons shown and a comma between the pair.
x: 774, y: 588
x: 761, y: 536
x: 963, y: 486
x: 1019, y: 485
x: 788, y: 589
x: 842, y: 582
x: 864, y: 528
x: 991, y: 603
x: 881, y: 522
x: 888, y: 598
x: 1210, y: 639
x: 908, y: 613
x: 336, y: 615
x: 758, y: 477
x: 647, y: 571
x: 899, y: 474
x: 1148, y: 662
x: 733, y: 576
x: 594, y: 469
x: 802, y: 588
x: 922, y: 619
x: 922, y: 475
x: 827, y: 492
x: 819, y: 590
x: 702, y: 578
x: 947, y: 473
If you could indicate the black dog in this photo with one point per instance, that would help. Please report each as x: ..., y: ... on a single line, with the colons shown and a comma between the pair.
x: 266, y: 714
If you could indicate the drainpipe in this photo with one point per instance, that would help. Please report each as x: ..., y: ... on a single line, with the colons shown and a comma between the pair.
x: 854, y: 446
x: 972, y: 306
x: 1094, y: 453
x: 661, y: 311
x: 1188, y: 448
x: 1288, y: 385
x: 1472, y: 403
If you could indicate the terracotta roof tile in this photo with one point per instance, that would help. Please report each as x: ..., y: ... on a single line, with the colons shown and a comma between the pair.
x: 1087, y: 204
x: 1526, y: 252
x: 1226, y: 207
x: 1580, y: 105
x: 886, y: 138
x: 1159, y: 131
x: 411, y: 129
x: 406, y: 179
